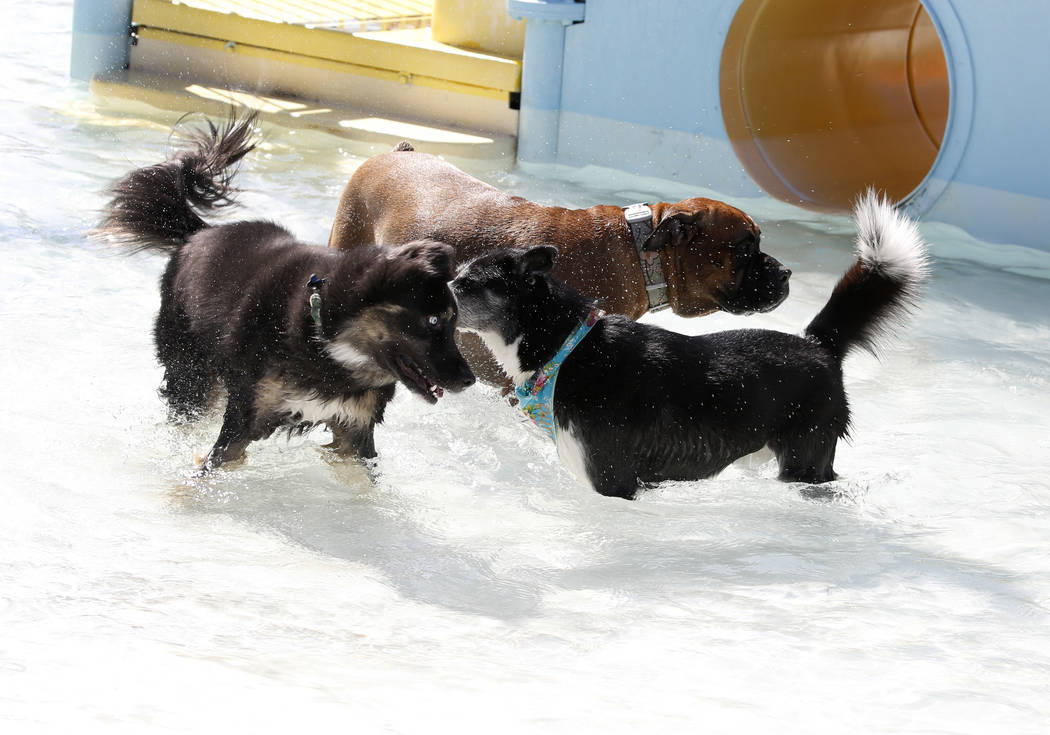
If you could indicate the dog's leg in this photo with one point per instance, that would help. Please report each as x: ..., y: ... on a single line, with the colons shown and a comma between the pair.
x: 349, y: 452
x: 366, y: 444
x: 614, y: 482
x: 186, y: 390
x: 353, y: 440
x: 627, y: 491
x: 809, y: 460
x: 235, y: 434
x: 188, y: 376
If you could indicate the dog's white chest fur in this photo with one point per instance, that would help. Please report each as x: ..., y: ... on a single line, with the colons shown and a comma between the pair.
x: 353, y: 411
x: 364, y: 367
x: 278, y: 397
x: 572, y: 452
x: 506, y: 355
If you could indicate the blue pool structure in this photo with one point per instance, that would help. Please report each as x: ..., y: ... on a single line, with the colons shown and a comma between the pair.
x: 942, y: 103
x: 646, y: 87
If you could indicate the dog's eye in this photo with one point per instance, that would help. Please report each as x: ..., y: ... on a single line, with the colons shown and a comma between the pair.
x: 530, y: 281
x: 433, y: 321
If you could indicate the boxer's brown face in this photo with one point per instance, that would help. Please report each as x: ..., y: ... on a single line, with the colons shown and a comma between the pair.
x: 712, y: 260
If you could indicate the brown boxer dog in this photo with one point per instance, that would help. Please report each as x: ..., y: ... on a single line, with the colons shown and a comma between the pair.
x: 696, y: 256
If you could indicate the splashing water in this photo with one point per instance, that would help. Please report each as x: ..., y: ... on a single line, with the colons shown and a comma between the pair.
x: 474, y: 584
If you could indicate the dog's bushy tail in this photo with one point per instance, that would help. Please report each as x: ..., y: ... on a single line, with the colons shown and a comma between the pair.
x: 883, y: 285
x: 156, y: 207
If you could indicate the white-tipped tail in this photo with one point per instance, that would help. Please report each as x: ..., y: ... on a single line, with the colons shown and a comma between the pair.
x: 889, y: 241
x: 883, y: 285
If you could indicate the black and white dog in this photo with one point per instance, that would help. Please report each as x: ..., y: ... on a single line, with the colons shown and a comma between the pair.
x: 633, y: 403
x: 297, y: 334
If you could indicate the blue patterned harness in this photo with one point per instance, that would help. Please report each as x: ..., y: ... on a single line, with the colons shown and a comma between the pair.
x: 536, y: 396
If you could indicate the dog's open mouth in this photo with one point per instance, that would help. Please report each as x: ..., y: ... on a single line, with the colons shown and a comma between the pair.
x: 414, y: 377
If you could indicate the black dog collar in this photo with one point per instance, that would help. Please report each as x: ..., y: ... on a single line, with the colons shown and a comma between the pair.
x: 640, y: 220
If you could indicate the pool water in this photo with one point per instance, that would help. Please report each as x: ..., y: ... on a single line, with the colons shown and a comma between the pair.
x: 474, y: 585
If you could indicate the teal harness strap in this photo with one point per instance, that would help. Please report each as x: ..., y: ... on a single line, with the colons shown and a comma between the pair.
x: 536, y: 396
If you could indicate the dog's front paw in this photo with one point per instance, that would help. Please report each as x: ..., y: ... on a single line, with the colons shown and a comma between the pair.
x: 209, y: 462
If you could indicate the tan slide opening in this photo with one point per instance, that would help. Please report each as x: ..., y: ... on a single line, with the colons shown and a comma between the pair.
x: 823, y: 98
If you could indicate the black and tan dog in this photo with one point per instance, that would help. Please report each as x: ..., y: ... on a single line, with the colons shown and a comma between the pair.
x: 633, y: 403
x: 297, y: 334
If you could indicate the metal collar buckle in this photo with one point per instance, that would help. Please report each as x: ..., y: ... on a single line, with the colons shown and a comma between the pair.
x: 314, y: 284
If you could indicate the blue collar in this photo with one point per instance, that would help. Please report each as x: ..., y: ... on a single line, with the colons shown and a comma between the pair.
x: 536, y: 397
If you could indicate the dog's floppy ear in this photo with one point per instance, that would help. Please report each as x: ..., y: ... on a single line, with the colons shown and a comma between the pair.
x: 436, y: 257
x: 673, y: 230
x: 539, y: 259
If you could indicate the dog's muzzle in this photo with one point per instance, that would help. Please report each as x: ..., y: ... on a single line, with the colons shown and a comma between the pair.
x: 764, y: 287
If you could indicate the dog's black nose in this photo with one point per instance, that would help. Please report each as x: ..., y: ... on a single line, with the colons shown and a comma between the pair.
x: 785, y: 273
x: 464, y: 381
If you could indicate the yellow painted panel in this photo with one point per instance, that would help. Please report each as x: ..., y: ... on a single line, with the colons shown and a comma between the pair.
x: 394, y: 51
x: 324, y: 12
x: 361, y: 133
x: 246, y: 49
x: 479, y: 24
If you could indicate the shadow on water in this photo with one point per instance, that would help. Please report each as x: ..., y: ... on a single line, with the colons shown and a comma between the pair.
x: 716, y: 541
x: 340, y: 512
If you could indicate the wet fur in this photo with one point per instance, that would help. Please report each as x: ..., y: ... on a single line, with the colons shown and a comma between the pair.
x: 638, y: 404
x: 710, y: 251
x: 235, y: 308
